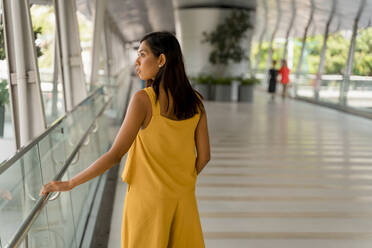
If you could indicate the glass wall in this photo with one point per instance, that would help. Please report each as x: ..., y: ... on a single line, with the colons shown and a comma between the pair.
x: 7, y: 140
x: 61, y: 222
x: 360, y: 88
x: 43, y: 22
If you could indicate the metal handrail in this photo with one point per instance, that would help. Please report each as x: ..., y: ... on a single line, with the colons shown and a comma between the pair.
x: 30, y: 219
x: 21, y: 151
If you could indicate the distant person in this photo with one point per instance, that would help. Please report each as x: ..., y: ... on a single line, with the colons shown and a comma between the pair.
x: 284, y: 72
x: 166, y: 133
x: 273, y: 74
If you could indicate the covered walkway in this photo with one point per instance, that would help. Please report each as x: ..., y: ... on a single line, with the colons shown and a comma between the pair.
x: 282, y: 174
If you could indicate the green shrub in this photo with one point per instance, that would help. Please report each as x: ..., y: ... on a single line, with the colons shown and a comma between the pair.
x: 223, y: 81
x: 226, y: 38
x: 248, y: 81
x: 209, y: 79
x: 37, y: 32
x: 203, y: 79
x: 4, y: 93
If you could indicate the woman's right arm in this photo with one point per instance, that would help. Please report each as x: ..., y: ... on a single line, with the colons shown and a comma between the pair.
x: 202, y: 143
x: 133, y: 121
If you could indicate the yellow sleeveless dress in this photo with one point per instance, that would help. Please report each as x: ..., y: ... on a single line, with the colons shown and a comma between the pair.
x: 160, y: 209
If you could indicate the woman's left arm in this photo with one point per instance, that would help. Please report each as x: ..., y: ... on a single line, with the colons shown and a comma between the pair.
x: 128, y: 131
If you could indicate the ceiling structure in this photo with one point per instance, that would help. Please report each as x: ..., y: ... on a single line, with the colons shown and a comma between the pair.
x: 137, y: 17
x: 345, y: 13
x: 134, y: 18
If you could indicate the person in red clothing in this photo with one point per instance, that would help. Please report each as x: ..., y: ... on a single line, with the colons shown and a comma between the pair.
x: 284, y: 72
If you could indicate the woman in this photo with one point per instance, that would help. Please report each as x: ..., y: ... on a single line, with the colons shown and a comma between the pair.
x: 284, y: 72
x: 273, y: 73
x: 165, y: 124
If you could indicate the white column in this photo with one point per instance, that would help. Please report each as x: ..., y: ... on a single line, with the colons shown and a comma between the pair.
x: 323, y: 52
x: 99, y: 15
x: 25, y: 93
x: 270, y: 55
x: 291, y: 22
x: 299, y: 65
x: 264, y: 29
x: 350, y: 58
x: 69, y: 44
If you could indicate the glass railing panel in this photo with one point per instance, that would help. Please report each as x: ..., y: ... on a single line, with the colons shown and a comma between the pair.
x: 98, y: 103
x: 76, y: 124
x: 39, y: 235
x: 329, y: 90
x: 305, y: 85
x: 53, y: 157
x: 78, y: 194
x: 84, y: 116
x: 81, y: 195
x: 103, y: 134
x: 62, y: 222
x: 72, y: 134
x: 91, y: 148
x: 52, y: 153
x: 359, y: 94
x: 60, y: 219
x: 53, y: 101
x: 20, y: 186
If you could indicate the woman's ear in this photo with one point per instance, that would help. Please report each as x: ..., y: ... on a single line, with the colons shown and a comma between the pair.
x: 162, y: 60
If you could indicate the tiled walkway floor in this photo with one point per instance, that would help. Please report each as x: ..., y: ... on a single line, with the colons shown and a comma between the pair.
x: 285, y: 174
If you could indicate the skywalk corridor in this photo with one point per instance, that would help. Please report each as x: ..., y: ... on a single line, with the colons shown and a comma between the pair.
x: 285, y: 174
x: 294, y: 173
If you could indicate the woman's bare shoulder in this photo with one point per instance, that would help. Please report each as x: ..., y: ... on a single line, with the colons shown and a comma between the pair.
x: 141, y: 96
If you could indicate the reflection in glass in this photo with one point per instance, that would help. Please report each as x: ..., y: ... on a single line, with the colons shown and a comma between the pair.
x: 19, y: 190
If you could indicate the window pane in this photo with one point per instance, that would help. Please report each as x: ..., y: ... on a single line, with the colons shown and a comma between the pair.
x: 43, y: 22
x: 7, y: 141
x: 86, y: 41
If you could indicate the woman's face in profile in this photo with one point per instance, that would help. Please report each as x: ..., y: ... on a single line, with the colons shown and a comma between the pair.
x: 147, y: 65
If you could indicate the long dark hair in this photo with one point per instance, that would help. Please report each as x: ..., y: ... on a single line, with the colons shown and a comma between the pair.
x: 173, y: 75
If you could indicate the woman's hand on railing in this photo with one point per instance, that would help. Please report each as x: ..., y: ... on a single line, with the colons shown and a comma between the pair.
x: 56, y: 186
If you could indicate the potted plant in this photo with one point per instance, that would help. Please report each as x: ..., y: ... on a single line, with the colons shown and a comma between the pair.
x: 226, y: 43
x: 246, y: 88
x: 223, y: 89
x: 203, y: 84
x: 4, y: 99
